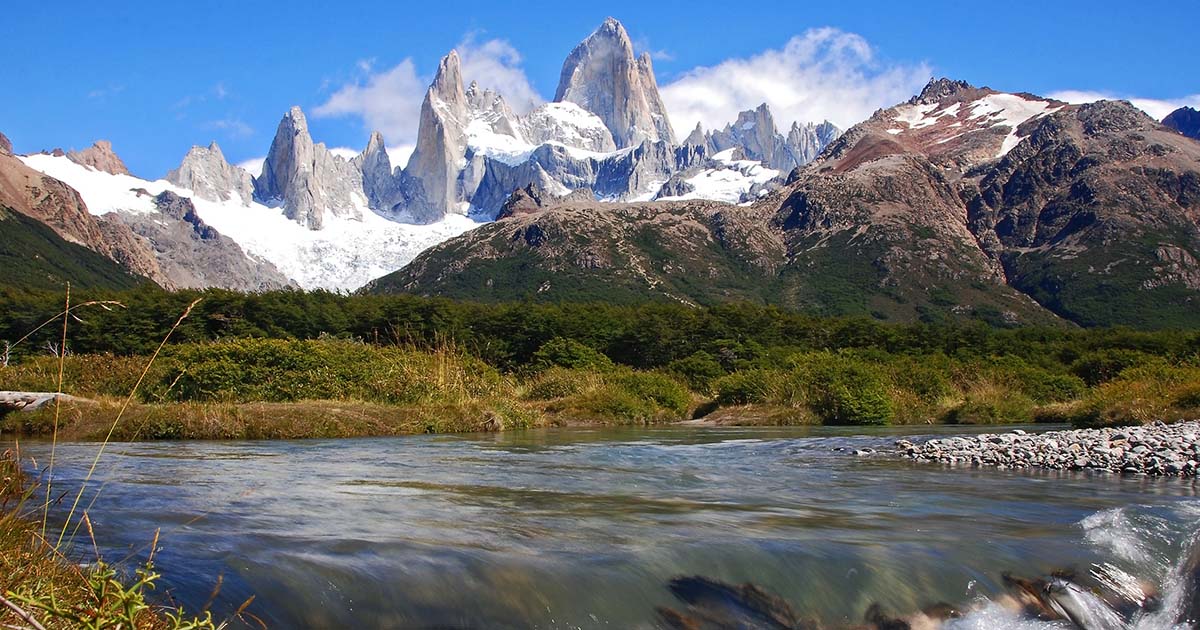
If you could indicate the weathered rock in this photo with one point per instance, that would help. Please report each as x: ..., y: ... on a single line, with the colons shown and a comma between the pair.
x: 306, y: 179
x: 5, y: 144
x: 441, y: 142
x: 101, y: 157
x: 569, y: 124
x: 1186, y: 121
x: 206, y: 173
x: 602, y: 76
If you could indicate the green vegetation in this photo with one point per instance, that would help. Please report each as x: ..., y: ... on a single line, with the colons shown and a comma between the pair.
x: 34, y: 257
x: 42, y: 584
x: 293, y: 364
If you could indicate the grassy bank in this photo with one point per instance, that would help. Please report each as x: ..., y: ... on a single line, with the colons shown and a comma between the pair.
x: 270, y: 388
x: 45, y: 584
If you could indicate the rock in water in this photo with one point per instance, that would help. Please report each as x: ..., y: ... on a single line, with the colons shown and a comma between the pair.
x: 99, y: 156
x: 602, y: 76
x: 207, y: 174
x: 306, y: 179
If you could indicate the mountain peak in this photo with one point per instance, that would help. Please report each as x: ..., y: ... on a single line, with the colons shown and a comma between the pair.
x: 206, y: 173
x: 101, y: 157
x: 938, y: 89
x: 1185, y: 120
x: 603, y: 76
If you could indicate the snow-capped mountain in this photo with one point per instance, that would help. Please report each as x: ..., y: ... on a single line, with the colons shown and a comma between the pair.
x: 320, y: 219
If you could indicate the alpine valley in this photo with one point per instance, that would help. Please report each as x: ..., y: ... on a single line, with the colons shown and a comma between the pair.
x: 962, y: 202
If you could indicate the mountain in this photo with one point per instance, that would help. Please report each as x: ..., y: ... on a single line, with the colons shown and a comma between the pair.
x: 34, y: 256
x: 1186, y: 121
x: 207, y: 174
x: 607, y: 132
x: 60, y: 208
x: 306, y: 179
x: 962, y: 202
x: 602, y: 76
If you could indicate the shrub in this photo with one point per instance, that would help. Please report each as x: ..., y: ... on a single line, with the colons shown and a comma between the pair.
x: 557, y: 382
x: 992, y: 403
x: 699, y: 370
x: 656, y: 388
x: 844, y: 390
x: 1099, y: 366
x: 748, y: 387
x: 569, y: 353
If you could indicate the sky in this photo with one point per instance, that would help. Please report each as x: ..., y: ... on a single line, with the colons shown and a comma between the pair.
x: 156, y: 78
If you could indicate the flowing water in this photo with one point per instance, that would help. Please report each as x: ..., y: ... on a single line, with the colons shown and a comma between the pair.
x: 580, y: 528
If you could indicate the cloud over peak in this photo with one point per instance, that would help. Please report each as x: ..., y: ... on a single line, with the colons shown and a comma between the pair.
x: 822, y: 74
x: 1157, y: 108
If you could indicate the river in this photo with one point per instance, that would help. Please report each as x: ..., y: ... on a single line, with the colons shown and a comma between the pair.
x: 583, y: 528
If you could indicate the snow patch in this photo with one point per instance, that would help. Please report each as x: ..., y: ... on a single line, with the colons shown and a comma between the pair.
x: 1011, y: 111
x: 344, y: 255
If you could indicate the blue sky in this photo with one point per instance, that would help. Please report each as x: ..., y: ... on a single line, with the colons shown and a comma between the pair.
x: 157, y: 77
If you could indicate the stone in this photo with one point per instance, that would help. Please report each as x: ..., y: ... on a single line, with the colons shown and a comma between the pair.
x: 209, y: 176
x: 99, y: 156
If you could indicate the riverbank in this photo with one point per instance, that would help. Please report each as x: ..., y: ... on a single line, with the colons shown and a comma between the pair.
x: 1154, y: 449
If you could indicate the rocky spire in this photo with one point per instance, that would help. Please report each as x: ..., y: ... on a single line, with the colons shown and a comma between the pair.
x: 805, y: 142
x: 305, y: 178
x: 209, y: 176
x: 602, y: 76
x: 441, y: 142
x: 99, y: 156
x: 379, y: 182
x: 696, y: 138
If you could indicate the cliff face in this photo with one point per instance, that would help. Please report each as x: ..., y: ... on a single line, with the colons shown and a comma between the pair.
x: 603, y: 76
x: 60, y: 208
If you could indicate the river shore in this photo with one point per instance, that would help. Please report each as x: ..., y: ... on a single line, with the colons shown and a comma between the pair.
x: 1157, y: 448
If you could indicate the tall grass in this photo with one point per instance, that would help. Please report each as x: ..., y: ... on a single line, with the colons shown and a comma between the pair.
x: 44, y: 589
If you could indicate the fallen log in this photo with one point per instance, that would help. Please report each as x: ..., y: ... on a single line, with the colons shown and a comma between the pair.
x: 32, y: 401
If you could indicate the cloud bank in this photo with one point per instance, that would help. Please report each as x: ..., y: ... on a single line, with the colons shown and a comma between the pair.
x: 1157, y: 108
x: 823, y: 74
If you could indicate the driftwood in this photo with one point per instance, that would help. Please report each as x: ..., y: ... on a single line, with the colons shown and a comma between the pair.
x: 32, y: 401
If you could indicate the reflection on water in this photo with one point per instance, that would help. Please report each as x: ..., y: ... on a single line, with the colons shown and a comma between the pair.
x: 584, y: 528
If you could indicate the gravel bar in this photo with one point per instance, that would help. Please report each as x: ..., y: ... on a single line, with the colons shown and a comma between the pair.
x: 1152, y: 449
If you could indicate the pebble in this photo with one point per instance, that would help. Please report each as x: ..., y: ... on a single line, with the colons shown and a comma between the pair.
x: 1152, y: 449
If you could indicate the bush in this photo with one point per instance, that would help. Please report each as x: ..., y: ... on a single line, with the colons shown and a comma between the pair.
x: 992, y: 404
x: 569, y: 353
x: 1099, y: 366
x: 748, y: 387
x: 699, y: 370
x: 557, y: 382
x: 844, y: 390
x: 659, y: 389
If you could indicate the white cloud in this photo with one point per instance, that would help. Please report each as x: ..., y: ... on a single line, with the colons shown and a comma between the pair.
x: 1157, y: 108
x: 398, y: 156
x: 254, y: 166
x: 346, y: 153
x: 388, y: 102
x: 234, y: 127
x: 496, y: 64
x: 824, y: 74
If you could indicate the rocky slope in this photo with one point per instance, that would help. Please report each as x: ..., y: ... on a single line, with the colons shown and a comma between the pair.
x: 34, y: 256
x: 1186, y: 121
x: 963, y: 202
x: 60, y: 207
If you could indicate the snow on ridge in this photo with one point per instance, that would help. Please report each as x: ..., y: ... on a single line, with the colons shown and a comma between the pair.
x: 1011, y: 111
x: 344, y: 255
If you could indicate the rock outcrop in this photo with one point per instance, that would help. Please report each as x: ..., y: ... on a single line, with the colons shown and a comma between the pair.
x: 5, y: 144
x: 99, y: 156
x: 194, y: 255
x: 755, y: 133
x: 380, y: 183
x: 569, y: 124
x: 602, y: 76
x: 206, y: 173
x: 306, y: 179
x: 60, y: 207
x: 441, y: 142
x: 1186, y: 121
